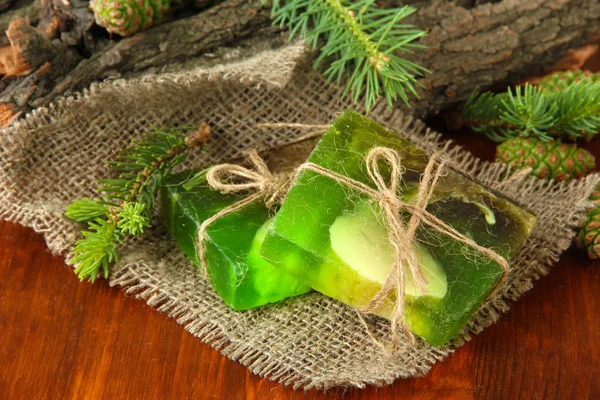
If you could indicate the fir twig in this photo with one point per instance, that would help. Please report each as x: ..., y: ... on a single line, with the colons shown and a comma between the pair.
x: 578, y: 109
x: 563, y: 106
x: 98, y: 248
x: 126, y: 203
x: 362, y: 40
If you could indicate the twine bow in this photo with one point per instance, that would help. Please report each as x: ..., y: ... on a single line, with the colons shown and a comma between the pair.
x: 233, y: 178
x: 402, y: 234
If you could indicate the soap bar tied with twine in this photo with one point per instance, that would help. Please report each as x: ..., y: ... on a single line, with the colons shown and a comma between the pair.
x: 233, y: 178
x: 230, y: 178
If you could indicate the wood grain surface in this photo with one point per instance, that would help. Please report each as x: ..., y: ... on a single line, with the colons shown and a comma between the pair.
x: 62, y: 339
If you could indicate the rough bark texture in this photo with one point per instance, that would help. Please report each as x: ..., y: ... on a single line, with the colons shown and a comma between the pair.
x: 29, y: 11
x: 5, y: 4
x: 68, y: 21
x: 37, y: 62
x: 496, y: 43
x: 470, y: 44
x: 168, y: 43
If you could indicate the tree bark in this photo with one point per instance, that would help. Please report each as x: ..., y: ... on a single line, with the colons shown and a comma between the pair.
x: 6, y: 4
x: 495, y: 43
x: 36, y: 62
x: 168, y: 43
x: 29, y: 11
x: 471, y: 43
x: 190, y: 37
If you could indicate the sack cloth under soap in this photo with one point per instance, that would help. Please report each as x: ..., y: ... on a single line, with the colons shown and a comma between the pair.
x: 56, y: 155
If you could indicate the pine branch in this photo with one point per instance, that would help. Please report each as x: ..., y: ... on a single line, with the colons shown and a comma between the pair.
x: 142, y: 166
x: 578, y: 109
x: 362, y: 40
x: 97, y: 249
x: 563, y: 106
x: 126, y: 203
x: 86, y: 209
x: 528, y: 111
x: 133, y: 219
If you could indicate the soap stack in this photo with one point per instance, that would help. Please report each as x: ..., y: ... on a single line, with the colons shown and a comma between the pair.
x: 332, y: 238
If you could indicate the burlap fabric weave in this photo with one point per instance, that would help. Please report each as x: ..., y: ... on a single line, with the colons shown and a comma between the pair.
x: 55, y: 155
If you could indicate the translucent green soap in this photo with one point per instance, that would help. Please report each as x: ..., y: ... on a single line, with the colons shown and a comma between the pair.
x: 241, y: 277
x: 332, y: 238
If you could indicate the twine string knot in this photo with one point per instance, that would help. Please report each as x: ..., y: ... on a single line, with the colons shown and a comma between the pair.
x: 233, y: 178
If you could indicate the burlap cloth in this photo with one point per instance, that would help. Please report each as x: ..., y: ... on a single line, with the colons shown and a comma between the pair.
x: 55, y: 155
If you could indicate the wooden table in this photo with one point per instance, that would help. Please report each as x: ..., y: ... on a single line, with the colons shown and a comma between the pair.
x: 60, y: 338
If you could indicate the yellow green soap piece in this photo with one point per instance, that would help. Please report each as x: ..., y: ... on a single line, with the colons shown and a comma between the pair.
x: 332, y: 238
x: 242, y: 278
x: 360, y: 240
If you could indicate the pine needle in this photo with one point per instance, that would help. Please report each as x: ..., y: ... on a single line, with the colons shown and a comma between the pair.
x: 86, y: 209
x: 133, y: 219
x: 564, y: 105
x: 361, y: 42
x: 96, y: 250
x: 126, y: 203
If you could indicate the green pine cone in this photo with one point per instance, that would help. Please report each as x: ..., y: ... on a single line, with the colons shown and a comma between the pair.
x: 595, y: 196
x: 589, y: 235
x: 564, y: 79
x: 549, y: 160
x: 125, y: 17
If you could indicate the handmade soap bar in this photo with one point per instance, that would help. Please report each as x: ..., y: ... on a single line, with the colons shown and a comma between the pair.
x: 239, y: 275
x: 332, y: 238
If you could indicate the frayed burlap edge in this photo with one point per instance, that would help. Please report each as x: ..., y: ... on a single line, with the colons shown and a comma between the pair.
x: 54, y: 155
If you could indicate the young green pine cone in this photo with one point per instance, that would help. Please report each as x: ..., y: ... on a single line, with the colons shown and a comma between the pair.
x: 549, y: 160
x: 590, y: 229
x: 595, y: 196
x: 125, y: 17
x: 589, y: 235
x: 564, y: 79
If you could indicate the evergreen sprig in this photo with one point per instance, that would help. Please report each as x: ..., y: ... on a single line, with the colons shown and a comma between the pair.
x: 125, y: 204
x: 562, y: 106
x: 360, y: 43
x: 578, y: 108
x: 97, y: 249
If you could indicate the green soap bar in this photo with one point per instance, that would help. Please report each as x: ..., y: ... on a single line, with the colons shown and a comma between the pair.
x: 331, y: 237
x: 370, y: 254
x: 241, y: 277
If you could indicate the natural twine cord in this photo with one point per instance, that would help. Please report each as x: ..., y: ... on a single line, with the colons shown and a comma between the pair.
x: 516, y: 177
x: 318, y: 130
x: 233, y: 178
x: 273, y: 188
